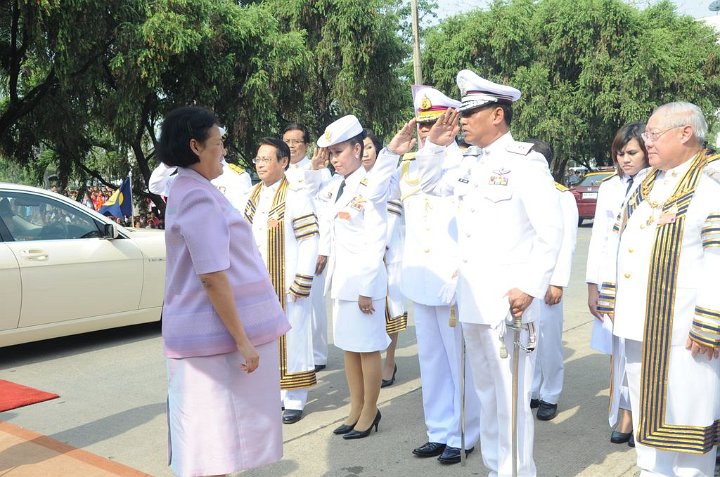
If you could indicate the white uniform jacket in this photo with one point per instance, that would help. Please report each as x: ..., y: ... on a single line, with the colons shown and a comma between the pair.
x: 357, y: 225
x: 509, y: 224
x: 234, y: 186
x: 561, y: 273
x: 301, y: 175
x: 430, y: 257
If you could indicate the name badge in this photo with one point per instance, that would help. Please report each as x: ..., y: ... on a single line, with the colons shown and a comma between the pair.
x: 272, y: 223
x: 464, y: 180
x: 342, y: 215
x: 669, y: 216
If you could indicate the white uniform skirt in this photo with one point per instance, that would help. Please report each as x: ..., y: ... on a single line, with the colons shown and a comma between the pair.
x: 220, y: 418
x: 359, y: 332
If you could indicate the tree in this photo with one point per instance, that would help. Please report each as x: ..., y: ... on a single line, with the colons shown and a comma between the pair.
x: 585, y: 67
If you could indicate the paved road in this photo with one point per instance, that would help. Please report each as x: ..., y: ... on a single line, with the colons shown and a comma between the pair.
x: 112, y: 403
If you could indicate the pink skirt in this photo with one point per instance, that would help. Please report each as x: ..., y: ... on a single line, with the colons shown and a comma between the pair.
x: 221, y: 419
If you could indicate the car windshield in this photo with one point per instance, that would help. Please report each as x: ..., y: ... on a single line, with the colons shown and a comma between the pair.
x: 595, y: 179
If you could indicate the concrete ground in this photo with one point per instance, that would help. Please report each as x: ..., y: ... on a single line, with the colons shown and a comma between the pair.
x: 112, y: 403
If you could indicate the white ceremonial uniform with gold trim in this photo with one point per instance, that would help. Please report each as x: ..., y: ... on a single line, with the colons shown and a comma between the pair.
x: 429, y: 262
x: 396, y: 305
x: 314, y: 181
x: 668, y: 287
x: 509, y: 235
x: 293, y: 261
x: 549, y: 368
x: 234, y: 182
x: 357, y: 225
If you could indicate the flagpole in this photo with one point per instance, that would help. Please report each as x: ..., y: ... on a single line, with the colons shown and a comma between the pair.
x: 132, y: 212
x: 417, y: 67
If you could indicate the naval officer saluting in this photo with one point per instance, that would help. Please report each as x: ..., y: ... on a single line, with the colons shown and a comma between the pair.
x: 509, y: 235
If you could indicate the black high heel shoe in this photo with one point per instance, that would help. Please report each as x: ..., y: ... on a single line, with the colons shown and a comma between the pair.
x: 388, y: 382
x: 360, y: 434
x: 344, y: 429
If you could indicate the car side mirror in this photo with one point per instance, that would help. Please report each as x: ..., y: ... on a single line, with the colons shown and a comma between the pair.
x: 110, y: 231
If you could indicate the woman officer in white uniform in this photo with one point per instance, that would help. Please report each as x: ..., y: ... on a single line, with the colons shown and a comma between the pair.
x: 357, y: 279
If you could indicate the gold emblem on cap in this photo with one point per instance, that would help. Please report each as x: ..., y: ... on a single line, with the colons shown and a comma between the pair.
x: 461, y: 84
x: 425, y: 103
x: 328, y: 135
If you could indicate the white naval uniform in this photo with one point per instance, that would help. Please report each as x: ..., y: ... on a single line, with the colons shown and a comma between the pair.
x: 428, y: 264
x: 675, y: 398
x: 396, y: 312
x: 509, y: 235
x: 234, y: 186
x: 610, y: 199
x: 299, y: 173
x: 549, y: 368
x: 300, y: 257
x: 357, y: 224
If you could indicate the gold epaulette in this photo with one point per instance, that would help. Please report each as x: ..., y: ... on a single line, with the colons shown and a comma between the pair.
x: 561, y: 187
x: 712, y: 168
x: 409, y: 156
x: 235, y: 168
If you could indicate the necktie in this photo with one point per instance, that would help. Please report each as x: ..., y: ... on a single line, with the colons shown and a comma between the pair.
x: 629, y: 186
x: 340, y: 190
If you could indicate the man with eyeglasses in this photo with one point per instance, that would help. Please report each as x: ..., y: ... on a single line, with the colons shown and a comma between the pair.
x: 285, y: 228
x: 510, y: 229
x: 667, y: 297
x: 301, y: 172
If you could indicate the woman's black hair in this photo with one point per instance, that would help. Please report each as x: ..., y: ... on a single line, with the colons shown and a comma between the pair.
x: 179, y: 127
x: 375, y: 140
x: 623, y: 136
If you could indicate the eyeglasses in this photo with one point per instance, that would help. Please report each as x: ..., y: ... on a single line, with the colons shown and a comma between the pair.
x: 294, y: 142
x: 655, y: 135
x: 262, y: 160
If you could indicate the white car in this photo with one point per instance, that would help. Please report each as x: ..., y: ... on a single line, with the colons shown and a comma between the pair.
x: 65, y: 269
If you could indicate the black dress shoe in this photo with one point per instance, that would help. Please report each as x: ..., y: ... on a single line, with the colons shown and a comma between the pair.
x: 320, y: 367
x: 620, y: 437
x: 343, y: 429
x: 291, y: 416
x: 388, y: 382
x: 429, y: 449
x: 355, y: 434
x: 546, y: 411
x: 534, y: 403
x: 631, y: 441
x: 451, y: 455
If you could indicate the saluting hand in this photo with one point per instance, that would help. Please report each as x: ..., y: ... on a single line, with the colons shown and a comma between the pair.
x: 320, y: 159
x: 404, y: 140
x: 445, y: 129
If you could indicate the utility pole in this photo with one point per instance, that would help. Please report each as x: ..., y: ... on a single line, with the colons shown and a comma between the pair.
x: 417, y: 68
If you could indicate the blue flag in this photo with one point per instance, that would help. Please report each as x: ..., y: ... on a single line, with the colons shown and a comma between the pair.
x: 120, y: 202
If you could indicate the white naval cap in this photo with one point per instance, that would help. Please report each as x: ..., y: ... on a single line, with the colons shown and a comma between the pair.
x: 430, y: 104
x: 476, y: 91
x: 341, y: 130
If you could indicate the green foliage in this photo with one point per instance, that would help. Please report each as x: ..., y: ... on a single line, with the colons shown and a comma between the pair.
x: 585, y: 67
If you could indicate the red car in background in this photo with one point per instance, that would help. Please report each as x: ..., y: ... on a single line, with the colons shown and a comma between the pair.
x: 586, y: 193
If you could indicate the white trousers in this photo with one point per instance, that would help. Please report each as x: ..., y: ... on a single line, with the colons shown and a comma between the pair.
x: 493, y: 381
x: 549, y: 367
x: 319, y: 319
x: 299, y: 349
x: 439, y: 355
x: 652, y: 461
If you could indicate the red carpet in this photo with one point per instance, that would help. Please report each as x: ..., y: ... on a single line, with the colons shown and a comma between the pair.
x: 15, y: 395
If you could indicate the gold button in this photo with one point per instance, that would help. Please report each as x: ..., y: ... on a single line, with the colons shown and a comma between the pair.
x: 642, y: 226
x: 631, y: 250
x: 627, y: 275
x: 427, y: 250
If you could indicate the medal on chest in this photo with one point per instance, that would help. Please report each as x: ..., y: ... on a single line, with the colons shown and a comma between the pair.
x: 499, y: 177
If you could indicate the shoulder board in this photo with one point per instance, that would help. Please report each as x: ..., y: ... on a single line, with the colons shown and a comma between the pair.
x: 713, y: 171
x: 236, y: 169
x: 364, y: 181
x: 609, y: 177
x: 518, y: 147
x: 409, y: 156
x: 560, y: 187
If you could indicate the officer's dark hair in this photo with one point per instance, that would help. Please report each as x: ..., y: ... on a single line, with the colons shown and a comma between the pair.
x: 375, y: 140
x: 298, y: 127
x: 281, y: 149
x: 179, y: 127
x: 358, y: 140
x: 624, y: 135
x: 543, y: 148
